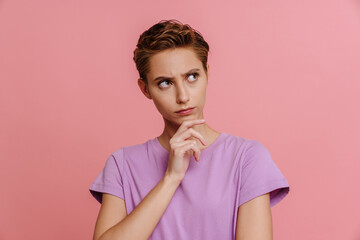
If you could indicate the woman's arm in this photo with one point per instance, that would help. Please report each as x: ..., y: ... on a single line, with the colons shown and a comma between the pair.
x: 112, y: 222
x: 254, y: 220
x: 141, y: 222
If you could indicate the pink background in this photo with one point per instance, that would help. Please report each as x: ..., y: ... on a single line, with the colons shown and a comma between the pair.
x: 283, y: 72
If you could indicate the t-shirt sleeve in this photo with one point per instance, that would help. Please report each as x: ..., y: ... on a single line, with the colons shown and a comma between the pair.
x: 110, y: 178
x: 260, y: 175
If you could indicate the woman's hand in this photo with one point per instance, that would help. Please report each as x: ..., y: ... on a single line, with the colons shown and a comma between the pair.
x: 181, y: 148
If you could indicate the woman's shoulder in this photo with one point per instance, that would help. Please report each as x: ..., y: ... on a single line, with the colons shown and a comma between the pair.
x: 232, y: 140
x: 132, y: 149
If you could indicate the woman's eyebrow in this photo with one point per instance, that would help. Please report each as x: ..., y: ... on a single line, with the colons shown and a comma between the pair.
x: 184, y: 74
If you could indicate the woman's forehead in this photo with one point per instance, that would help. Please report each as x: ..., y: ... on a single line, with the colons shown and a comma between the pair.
x: 173, y: 61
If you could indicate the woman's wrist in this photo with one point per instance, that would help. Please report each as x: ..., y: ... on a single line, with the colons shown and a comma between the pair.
x: 171, y: 180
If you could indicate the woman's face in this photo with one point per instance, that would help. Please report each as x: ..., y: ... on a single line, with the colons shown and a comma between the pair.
x: 176, y: 81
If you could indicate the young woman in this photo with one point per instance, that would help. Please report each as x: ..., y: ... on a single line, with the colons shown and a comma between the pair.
x: 191, y: 182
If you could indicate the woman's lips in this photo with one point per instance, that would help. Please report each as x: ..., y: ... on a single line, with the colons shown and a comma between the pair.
x: 185, y: 112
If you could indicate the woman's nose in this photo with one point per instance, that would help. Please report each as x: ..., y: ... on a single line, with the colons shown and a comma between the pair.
x: 182, y: 94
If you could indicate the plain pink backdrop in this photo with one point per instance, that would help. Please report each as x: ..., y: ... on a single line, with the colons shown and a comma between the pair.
x: 283, y: 72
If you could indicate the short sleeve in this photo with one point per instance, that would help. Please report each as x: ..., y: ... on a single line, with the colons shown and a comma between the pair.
x: 110, y: 178
x: 260, y: 175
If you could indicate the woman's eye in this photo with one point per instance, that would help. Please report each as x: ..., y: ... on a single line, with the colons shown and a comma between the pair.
x: 194, y: 76
x: 161, y: 83
x: 164, y: 83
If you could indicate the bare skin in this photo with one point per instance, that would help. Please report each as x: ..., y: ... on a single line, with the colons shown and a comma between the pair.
x: 182, y: 147
x: 177, y: 91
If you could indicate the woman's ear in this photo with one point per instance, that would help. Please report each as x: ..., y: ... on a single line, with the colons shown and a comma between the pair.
x: 208, y: 71
x: 144, y: 88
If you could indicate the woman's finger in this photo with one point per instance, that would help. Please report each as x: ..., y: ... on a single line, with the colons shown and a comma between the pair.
x: 191, y: 146
x: 193, y: 133
x: 189, y: 123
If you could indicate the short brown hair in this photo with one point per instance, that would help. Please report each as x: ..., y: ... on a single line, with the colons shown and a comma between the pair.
x: 164, y: 35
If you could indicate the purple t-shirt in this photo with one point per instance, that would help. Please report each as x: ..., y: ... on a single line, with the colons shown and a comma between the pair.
x: 232, y: 170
